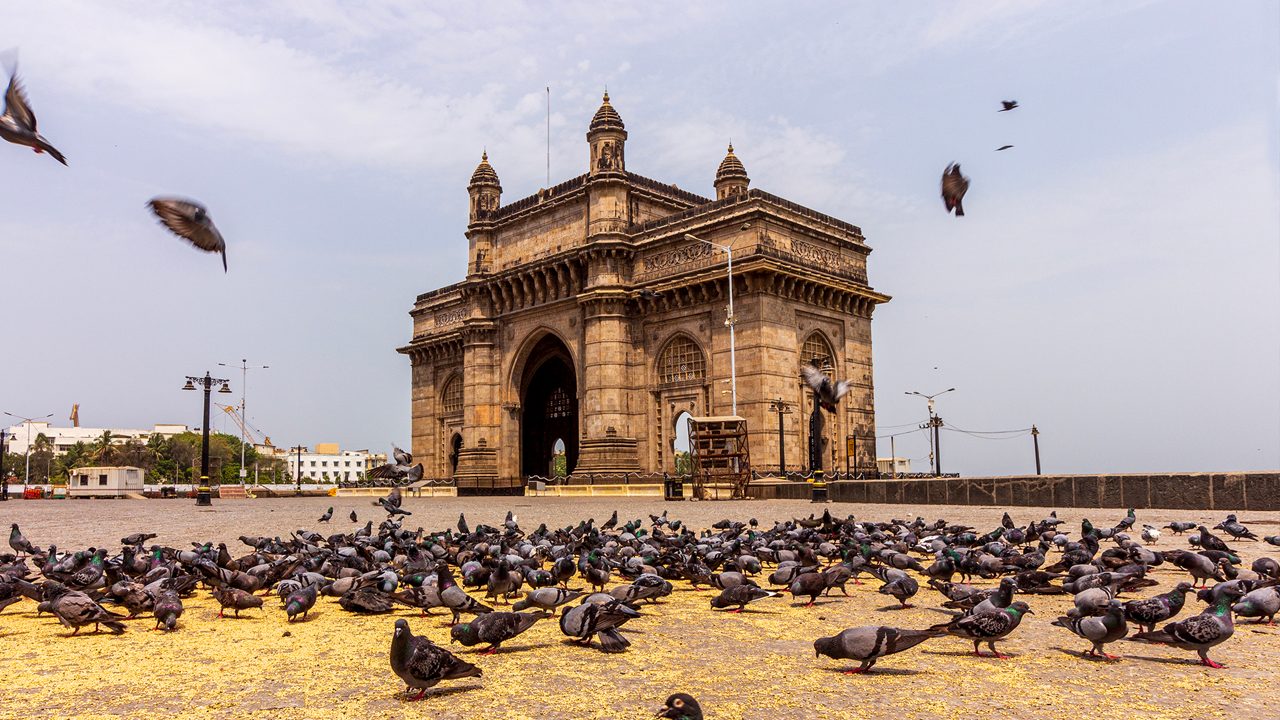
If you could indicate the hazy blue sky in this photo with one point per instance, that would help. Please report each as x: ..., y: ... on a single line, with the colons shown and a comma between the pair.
x: 1117, y: 279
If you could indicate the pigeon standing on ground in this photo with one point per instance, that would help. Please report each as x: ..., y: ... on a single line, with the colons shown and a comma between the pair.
x: 1233, y: 528
x: 190, y: 220
x: 828, y: 393
x: 236, y: 599
x: 20, y: 543
x: 583, y: 621
x: 328, y: 514
x: 421, y: 664
x: 18, y: 123
x: 75, y: 609
x: 1262, y: 603
x: 1156, y: 609
x: 681, y: 706
x: 300, y: 601
x: 546, y: 599
x: 1098, y: 630
x: 740, y: 595
x: 168, y: 609
x: 870, y: 643
x: 1199, y: 632
x: 954, y: 186
x: 354, y: 517
x: 455, y: 598
x: 988, y: 627
x: 1180, y: 527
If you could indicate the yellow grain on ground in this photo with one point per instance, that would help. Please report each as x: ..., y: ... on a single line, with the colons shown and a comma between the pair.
x: 754, y: 665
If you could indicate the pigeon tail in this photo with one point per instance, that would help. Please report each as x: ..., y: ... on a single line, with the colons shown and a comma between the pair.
x: 612, y: 641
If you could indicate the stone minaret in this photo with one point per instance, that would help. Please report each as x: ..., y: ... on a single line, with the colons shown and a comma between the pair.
x: 731, y: 178
x: 486, y: 196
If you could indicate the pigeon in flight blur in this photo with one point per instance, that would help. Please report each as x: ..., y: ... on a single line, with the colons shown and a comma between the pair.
x: 828, y: 393
x: 954, y: 186
x: 1003, y: 147
x: 1008, y: 105
x: 18, y: 123
x: 189, y: 220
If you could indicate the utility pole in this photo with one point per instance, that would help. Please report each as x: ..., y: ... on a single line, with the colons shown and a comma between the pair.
x: 4, y: 479
x: 1035, y: 438
x: 936, y: 422
x: 298, y: 468
x: 893, y: 457
x: 244, y: 418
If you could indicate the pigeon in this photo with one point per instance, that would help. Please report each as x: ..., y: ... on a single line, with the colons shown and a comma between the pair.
x: 493, y: 628
x: 365, y: 600
x: 1266, y: 567
x: 1002, y: 147
x: 1150, y: 534
x: 1272, y: 540
x: 328, y: 514
x: 1199, y: 632
x: 987, y: 627
x: 455, y: 598
x: 234, y: 598
x: 546, y: 599
x: 20, y: 543
x: 1098, y: 630
x: 1008, y: 105
x: 1233, y: 528
x: 828, y: 393
x: 583, y: 621
x: 740, y: 595
x: 1156, y: 609
x: 811, y: 584
x: 167, y: 610
x: 354, y: 517
x: 190, y: 220
x: 1262, y: 603
x: 870, y: 643
x: 954, y: 186
x: 421, y: 664
x: 1180, y: 527
x: 18, y: 123
x: 75, y: 609
x: 647, y: 294
x: 681, y: 706
x: 136, y: 538
x: 300, y: 601
x: 1209, y: 541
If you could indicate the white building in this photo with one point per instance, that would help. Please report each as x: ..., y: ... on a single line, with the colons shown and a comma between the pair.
x: 20, y: 436
x: 328, y: 464
x: 893, y: 466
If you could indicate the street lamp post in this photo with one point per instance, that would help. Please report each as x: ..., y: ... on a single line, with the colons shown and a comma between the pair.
x: 298, y: 468
x: 4, y: 479
x: 244, y: 419
x: 782, y: 408
x: 733, y: 357
x: 204, y: 496
x: 26, y: 474
x: 934, y: 424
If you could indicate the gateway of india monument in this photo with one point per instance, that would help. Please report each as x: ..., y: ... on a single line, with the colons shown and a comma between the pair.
x: 593, y: 317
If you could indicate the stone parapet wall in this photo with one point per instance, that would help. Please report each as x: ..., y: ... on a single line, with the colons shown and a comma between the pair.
x: 1198, y: 491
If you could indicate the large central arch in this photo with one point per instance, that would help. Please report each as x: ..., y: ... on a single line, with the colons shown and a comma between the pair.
x: 549, y: 407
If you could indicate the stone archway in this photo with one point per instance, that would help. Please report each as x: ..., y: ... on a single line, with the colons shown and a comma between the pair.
x: 549, y: 407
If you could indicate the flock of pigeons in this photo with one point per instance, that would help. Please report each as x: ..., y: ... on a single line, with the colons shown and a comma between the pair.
x: 954, y: 184
x: 625, y: 568
x: 185, y: 218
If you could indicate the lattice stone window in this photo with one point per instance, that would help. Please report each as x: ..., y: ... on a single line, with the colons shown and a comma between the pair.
x: 682, y: 360
x: 559, y: 404
x: 451, y: 398
x: 816, y: 347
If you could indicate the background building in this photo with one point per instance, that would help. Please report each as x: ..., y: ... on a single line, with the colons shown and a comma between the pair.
x: 63, y: 438
x: 329, y: 464
x: 588, y: 318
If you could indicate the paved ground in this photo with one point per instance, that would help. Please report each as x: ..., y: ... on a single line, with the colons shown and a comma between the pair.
x: 754, y: 665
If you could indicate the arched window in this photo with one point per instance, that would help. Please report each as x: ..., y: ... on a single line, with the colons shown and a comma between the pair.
x: 818, y: 351
x: 682, y: 360
x: 451, y: 396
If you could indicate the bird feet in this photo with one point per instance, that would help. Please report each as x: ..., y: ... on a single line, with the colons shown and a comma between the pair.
x: 490, y: 651
x: 1209, y: 663
x: 852, y: 671
x: 736, y: 611
x: 422, y: 695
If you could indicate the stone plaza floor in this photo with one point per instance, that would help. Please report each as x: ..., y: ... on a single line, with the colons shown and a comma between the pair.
x: 754, y: 665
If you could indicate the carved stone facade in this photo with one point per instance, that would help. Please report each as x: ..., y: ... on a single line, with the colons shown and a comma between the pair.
x: 589, y: 318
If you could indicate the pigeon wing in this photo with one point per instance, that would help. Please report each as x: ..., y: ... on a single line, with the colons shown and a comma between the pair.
x: 954, y: 186
x: 842, y: 387
x: 1196, y: 630
x: 400, y: 456
x: 190, y: 221
x: 16, y: 105
x: 813, y: 377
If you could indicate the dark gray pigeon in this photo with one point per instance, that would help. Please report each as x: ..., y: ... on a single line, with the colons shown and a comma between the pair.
x: 828, y: 393
x: 422, y: 664
x: 1199, y: 632
x: 75, y: 609
x: 167, y: 610
x: 18, y: 123
x: 870, y: 643
x: 681, y: 706
x: 988, y: 627
x: 1007, y: 105
x: 1098, y: 630
x: 493, y: 628
x: 590, y: 619
x: 740, y: 595
x: 190, y: 220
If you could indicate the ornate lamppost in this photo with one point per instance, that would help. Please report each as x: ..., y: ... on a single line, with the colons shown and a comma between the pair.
x: 204, y: 496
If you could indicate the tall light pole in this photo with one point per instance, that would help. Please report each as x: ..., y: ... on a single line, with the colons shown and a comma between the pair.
x: 244, y: 419
x: 935, y: 422
x: 4, y: 479
x: 204, y: 496
x: 783, y: 408
x: 733, y: 355
x: 298, y: 468
x: 26, y: 474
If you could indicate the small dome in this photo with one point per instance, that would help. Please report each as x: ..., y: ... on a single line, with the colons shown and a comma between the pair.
x: 606, y: 118
x: 731, y: 168
x: 484, y: 174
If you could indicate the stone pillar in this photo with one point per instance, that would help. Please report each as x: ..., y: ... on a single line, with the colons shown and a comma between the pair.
x: 607, y: 445
x: 478, y: 459
x: 423, y: 411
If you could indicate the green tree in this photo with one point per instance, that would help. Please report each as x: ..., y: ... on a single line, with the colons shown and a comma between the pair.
x: 684, y: 463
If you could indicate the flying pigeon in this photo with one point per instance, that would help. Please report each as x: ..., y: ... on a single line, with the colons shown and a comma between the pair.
x: 18, y: 123
x: 190, y: 220
x: 681, y: 706
x: 421, y: 664
x: 828, y: 393
x: 954, y: 186
x: 1008, y: 105
x: 870, y: 643
x: 1002, y: 147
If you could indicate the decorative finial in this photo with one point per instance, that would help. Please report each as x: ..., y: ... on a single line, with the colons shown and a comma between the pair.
x: 730, y: 146
x: 606, y: 93
x: 484, y: 155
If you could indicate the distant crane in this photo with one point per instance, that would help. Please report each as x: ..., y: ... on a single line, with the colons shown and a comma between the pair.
x: 247, y: 431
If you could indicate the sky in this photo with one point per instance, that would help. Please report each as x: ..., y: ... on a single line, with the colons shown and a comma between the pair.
x: 1116, y: 281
